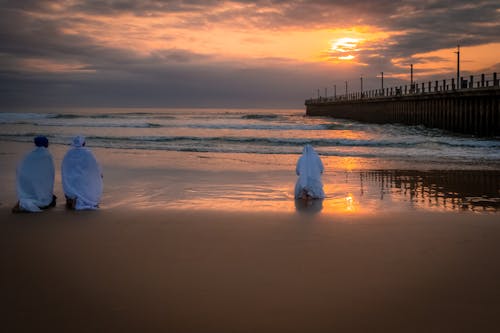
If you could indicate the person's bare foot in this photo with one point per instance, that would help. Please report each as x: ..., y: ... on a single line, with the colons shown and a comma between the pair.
x: 70, y: 203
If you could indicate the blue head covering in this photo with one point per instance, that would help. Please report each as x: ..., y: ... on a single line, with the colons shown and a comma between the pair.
x: 41, y: 141
x: 78, y: 141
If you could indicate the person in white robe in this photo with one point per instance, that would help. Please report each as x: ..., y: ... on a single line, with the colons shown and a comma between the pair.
x: 35, y: 179
x: 309, y: 169
x: 81, y: 177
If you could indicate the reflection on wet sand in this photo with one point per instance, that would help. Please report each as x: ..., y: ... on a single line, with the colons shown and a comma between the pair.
x: 443, y: 190
x: 370, y: 192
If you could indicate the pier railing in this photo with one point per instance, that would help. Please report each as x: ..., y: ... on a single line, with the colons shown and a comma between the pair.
x: 428, y: 87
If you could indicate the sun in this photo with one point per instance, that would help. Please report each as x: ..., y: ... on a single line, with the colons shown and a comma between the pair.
x: 343, y: 48
x: 345, y: 44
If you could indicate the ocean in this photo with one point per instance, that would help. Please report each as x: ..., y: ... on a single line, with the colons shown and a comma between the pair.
x: 250, y: 132
x: 245, y: 159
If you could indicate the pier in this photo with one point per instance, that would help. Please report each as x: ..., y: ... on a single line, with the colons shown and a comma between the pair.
x: 472, y: 107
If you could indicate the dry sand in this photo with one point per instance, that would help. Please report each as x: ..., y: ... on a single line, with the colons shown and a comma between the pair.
x: 207, y: 271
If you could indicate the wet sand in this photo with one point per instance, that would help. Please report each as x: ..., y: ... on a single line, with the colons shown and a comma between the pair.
x: 135, y: 179
x: 207, y: 271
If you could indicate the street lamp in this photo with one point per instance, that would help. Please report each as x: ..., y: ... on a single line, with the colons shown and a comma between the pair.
x: 458, y: 66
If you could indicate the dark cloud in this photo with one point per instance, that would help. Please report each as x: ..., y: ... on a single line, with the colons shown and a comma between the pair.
x: 442, y: 24
x: 185, y: 85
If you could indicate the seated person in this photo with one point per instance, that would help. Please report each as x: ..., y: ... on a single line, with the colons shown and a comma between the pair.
x: 309, y: 169
x: 35, y: 179
x: 81, y: 177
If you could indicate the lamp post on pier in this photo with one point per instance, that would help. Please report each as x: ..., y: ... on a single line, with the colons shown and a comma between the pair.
x: 361, y: 79
x: 411, y: 78
x: 459, y: 84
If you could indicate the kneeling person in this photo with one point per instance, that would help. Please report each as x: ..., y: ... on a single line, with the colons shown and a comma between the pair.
x: 35, y: 179
x: 81, y: 177
x: 309, y: 169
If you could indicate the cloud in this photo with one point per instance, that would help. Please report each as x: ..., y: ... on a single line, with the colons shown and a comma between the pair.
x: 153, y: 52
x: 167, y: 85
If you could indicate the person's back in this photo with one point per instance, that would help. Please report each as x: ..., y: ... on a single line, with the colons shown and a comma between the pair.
x: 81, y: 177
x: 35, y: 179
x: 309, y: 169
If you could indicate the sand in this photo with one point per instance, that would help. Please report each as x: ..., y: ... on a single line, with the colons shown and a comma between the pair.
x: 206, y: 271
x: 188, y: 242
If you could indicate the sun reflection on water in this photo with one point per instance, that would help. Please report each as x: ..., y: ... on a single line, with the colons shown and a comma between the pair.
x: 349, y: 203
x: 347, y: 193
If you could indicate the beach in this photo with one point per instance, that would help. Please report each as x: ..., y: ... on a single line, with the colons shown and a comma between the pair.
x: 211, y: 271
x: 262, y: 166
x: 193, y: 242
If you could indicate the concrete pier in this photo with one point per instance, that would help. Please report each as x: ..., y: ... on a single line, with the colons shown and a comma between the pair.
x: 471, y: 110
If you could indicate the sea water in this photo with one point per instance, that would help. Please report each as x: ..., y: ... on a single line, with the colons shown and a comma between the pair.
x: 248, y: 131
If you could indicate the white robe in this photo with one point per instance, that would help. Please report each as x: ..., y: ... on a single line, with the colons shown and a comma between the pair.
x: 82, y: 178
x: 35, y: 180
x: 309, y: 169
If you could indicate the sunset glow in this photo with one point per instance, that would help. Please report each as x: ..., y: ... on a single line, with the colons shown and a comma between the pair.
x: 251, y: 45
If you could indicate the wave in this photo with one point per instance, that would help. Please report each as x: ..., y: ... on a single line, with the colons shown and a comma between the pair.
x: 269, y: 127
x: 194, y: 126
x: 9, y: 117
x: 66, y: 116
x: 129, y: 124
x: 100, y: 125
x: 278, y: 146
x: 112, y: 116
x: 152, y: 120
x: 260, y: 116
x: 12, y: 116
x: 315, y: 142
x: 290, y: 150
x: 415, y: 142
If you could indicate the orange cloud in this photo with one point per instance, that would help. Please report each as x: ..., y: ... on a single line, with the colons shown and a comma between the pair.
x: 54, y: 66
x: 444, y: 61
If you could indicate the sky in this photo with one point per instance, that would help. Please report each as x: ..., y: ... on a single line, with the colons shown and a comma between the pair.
x: 232, y: 54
